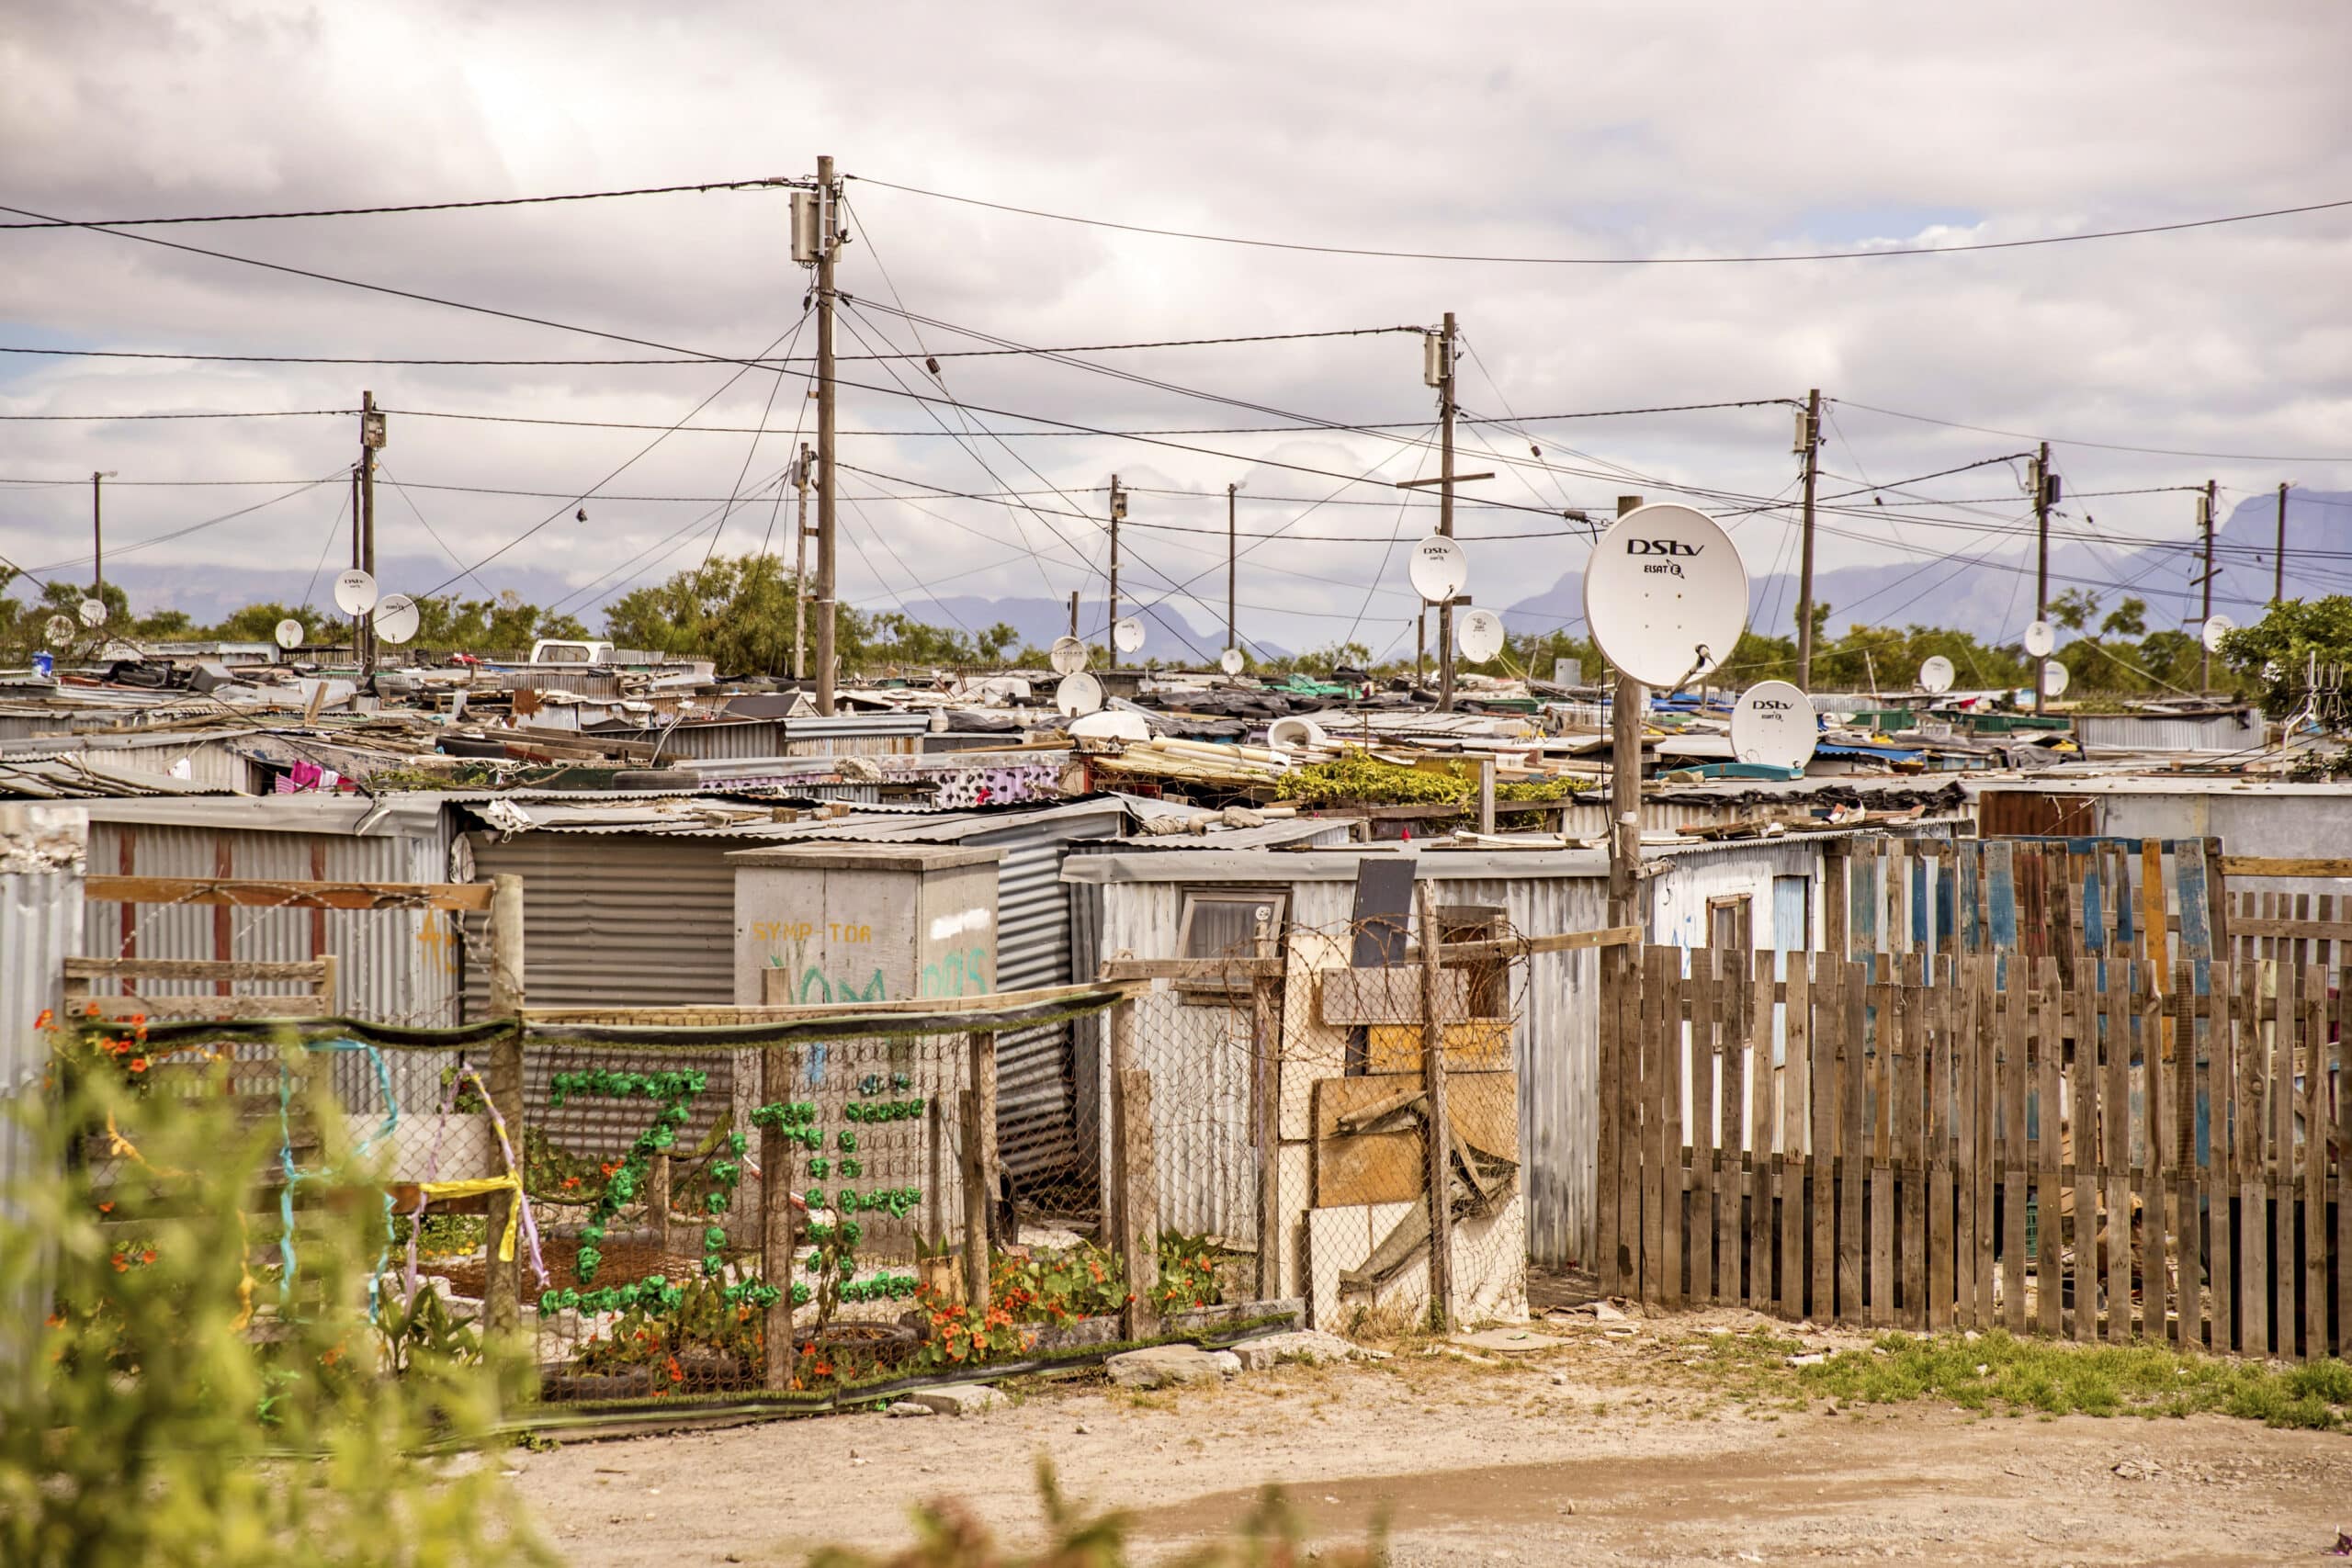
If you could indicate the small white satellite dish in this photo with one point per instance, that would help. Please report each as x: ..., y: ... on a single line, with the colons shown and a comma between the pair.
x: 1126, y: 636
x: 355, y: 592
x: 1665, y: 591
x: 1078, y: 694
x: 2270, y: 671
x: 2053, y: 680
x: 2216, y: 628
x: 289, y: 632
x: 1479, y: 635
x: 1068, y: 656
x: 57, y: 631
x: 397, y: 619
x: 1439, y: 569
x: 2040, y: 639
x: 1935, y: 674
x: 1230, y: 661
x: 92, y: 611
x: 1773, y: 722
x: 1111, y: 724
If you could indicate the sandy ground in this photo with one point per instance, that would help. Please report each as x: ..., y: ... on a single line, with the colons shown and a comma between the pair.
x: 1601, y: 1445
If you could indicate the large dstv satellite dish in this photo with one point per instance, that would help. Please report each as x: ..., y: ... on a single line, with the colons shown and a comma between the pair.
x: 2216, y: 628
x: 1665, y: 593
x: 1935, y: 675
x: 93, y: 611
x: 1439, y: 569
x: 289, y: 632
x: 1068, y: 656
x: 2040, y: 639
x: 1078, y: 694
x: 396, y: 618
x: 1479, y: 635
x: 1126, y: 636
x: 1111, y: 724
x: 1230, y: 661
x: 1773, y: 722
x: 2053, y: 680
x: 57, y: 631
x: 355, y: 592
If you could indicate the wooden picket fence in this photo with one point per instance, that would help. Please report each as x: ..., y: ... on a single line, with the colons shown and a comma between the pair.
x: 1973, y: 1142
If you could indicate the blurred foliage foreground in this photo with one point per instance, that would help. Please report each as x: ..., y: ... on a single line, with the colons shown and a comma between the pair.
x: 178, y: 1387
x: 171, y: 1393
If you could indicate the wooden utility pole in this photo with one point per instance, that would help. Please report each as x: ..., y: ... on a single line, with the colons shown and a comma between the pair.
x: 2279, y: 566
x: 1073, y: 614
x: 502, y: 1291
x: 2205, y: 658
x: 827, y: 244
x: 1232, y: 558
x: 1438, y: 1143
x: 1421, y: 646
x: 1809, y: 437
x: 98, y: 541
x: 358, y: 623
x: 371, y: 436
x: 1624, y: 784
x: 1445, y: 512
x: 1111, y: 629
x: 2040, y: 565
x: 800, y: 567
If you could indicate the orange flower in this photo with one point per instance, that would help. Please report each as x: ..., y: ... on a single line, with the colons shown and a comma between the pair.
x: 107, y: 1207
x: 90, y: 1009
x: 45, y: 1019
x: 148, y: 1255
x: 137, y: 1064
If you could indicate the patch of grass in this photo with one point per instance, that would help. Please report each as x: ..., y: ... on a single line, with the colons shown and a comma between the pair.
x: 1997, y: 1373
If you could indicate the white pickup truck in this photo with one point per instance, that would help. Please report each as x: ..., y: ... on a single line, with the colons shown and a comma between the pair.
x: 554, y: 651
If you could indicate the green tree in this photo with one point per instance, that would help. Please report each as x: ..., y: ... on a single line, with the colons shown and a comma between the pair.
x: 736, y: 612
x: 2273, y: 656
x: 2127, y: 619
x: 258, y: 623
x: 2074, y: 608
x: 507, y: 623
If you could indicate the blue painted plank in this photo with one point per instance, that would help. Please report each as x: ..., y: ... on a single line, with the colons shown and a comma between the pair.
x: 1971, y: 860
x: 2001, y: 896
x: 2188, y: 877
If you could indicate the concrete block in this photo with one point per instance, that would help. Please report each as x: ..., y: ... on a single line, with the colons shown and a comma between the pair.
x: 1162, y: 1365
x: 957, y: 1399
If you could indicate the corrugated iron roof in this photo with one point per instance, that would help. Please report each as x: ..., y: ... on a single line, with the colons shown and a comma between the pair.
x: 81, y: 775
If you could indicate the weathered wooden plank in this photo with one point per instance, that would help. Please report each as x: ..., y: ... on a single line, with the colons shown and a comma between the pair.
x: 2050, y: 1147
x: 2342, y: 1142
x: 1942, y: 1132
x: 1658, y: 982
x: 310, y: 970
x: 472, y: 896
x: 2314, y: 1162
x: 2219, y: 1186
x: 2082, y: 1156
x: 1762, y: 1083
x: 2274, y: 866
x: 2008, y: 1042
x: 2185, y: 1211
x: 2283, y: 1038
x: 2253, y: 1151
x: 2155, y: 1261
x: 1826, y: 992
x: 1610, y: 1084
x: 1705, y: 1147
x: 1886, y: 1046
x: 1634, y: 1004
x: 1789, y: 1161
x: 2115, y: 1145
x: 1854, y: 1145
x: 1673, y: 1077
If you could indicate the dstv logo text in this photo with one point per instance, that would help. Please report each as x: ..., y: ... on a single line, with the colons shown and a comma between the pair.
x: 1668, y: 548
x: 1771, y: 706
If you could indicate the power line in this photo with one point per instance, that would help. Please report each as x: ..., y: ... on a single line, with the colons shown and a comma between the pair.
x: 1615, y: 261
x: 218, y: 413
x: 124, y: 549
x: 408, y: 207
x: 2099, y: 446
x: 704, y: 359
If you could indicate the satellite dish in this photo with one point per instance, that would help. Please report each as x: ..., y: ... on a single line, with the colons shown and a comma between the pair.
x: 1127, y: 634
x: 2040, y: 639
x: 57, y: 631
x: 289, y: 632
x: 396, y: 618
x: 1935, y: 674
x: 1078, y: 693
x: 2270, y: 671
x: 1773, y: 722
x: 1439, y: 570
x: 355, y: 592
x: 1665, y: 591
x: 92, y: 611
x: 2053, y: 680
x: 1068, y: 656
x: 1111, y: 724
x: 2216, y: 628
x: 1230, y: 661
x: 1479, y: 635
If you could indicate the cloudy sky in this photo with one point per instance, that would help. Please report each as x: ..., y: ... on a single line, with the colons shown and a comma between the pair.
x: 1598, y: 131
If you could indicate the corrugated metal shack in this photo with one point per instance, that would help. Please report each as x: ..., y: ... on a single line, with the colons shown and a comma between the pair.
x: 1756, y: 894
x: 2236, y: 730
x: 42, y: 857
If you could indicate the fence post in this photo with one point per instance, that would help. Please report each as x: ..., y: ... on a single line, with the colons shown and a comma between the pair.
x: 502, y: 1291
x: 1265, y: 1033
x: 979, y: 1168
x: 775, y: 1221
x: 1135, y: 1185
x: 1439, y: 1140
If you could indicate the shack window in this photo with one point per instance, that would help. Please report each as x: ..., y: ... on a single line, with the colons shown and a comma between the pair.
x: 1731, y: 922
x: 1220, y: 923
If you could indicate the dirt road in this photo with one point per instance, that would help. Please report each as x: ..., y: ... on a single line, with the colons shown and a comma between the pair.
x: 1591, y: 1448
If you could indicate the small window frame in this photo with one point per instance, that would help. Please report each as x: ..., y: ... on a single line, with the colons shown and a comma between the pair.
x: 1208, y: 989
